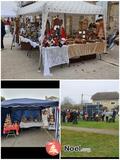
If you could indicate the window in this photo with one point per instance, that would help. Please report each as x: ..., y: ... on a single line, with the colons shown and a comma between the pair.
x: 98, y: 102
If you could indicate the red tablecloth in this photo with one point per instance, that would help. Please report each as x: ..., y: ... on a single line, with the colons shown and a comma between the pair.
x: 12, y: 127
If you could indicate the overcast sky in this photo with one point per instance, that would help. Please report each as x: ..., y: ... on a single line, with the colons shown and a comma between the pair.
x: 29, y: 93
x: 75, y: 88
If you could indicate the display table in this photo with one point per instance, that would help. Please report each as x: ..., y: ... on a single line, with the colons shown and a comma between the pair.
x: 12, y: 127
x: 77, y: 50
x: 30, y: 124
x: 26, y: 40
x: 53, y: 56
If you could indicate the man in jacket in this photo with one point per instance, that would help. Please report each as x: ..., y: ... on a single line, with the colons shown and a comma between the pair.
x: 2, y: 34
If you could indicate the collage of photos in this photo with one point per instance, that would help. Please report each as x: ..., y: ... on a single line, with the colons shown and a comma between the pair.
x: 59, y: 79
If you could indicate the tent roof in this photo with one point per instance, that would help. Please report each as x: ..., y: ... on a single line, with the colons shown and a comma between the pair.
x: 32, y: 8
x: 27, y: 102
x: 74, y: 7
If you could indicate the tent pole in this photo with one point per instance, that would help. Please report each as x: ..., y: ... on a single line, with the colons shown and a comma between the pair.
x: 44, y: 20
x: 105, y: 32
x: 56, y: 122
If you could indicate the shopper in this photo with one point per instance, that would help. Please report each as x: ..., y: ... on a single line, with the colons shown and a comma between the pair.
x: 75, y: 117
x: 107, y: 116
x: 114, y: 115
x: 103, y: 116
x: 3, y: 32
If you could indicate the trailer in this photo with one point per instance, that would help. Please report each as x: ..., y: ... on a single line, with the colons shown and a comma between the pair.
x: 92, y: 109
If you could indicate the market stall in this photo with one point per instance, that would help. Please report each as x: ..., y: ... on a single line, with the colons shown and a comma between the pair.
x: 29, y: 32
x: 53, y: 40
x: 25, y: 113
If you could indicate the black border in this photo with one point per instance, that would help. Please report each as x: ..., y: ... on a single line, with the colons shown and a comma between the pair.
x: 26, y: 153
x: 30, y: 84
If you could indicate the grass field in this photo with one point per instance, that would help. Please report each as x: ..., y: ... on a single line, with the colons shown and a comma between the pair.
x: 101, y: 145
x: 94, y: 124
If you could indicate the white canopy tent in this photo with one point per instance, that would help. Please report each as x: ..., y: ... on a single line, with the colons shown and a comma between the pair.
x: 32, y: 8
x: 72, y: 7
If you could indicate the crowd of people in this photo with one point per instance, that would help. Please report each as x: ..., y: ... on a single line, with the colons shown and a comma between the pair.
x: 70, y: 116
x: 73, y: 116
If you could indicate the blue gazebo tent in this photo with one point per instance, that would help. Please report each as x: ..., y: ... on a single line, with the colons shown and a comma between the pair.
x: 16, y: 108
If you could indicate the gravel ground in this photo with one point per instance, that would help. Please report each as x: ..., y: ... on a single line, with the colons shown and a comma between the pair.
x: 32, y: 137
x: 15, y: 64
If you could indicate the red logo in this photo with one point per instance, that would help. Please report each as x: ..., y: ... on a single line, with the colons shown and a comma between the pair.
x: 53, y: 148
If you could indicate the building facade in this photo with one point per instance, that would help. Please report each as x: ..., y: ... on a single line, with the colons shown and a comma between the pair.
x: 109, y: 100
x: 113, y: 15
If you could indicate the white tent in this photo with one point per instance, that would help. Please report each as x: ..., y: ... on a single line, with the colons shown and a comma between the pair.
x: 71, y: 7
x: 32, y: 8
x: 9, y: 8
x: 74, y: 7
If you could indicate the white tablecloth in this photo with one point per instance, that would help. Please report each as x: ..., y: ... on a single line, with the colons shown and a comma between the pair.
x: 26, y: 40
x: 53, y: 56
x: 30, y: 124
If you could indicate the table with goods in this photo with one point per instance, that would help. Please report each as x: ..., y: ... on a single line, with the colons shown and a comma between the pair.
x: 58, y: 47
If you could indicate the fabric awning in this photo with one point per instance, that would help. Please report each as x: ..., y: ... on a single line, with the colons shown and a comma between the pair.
x: 32, y: 8
x: 72, y: 7
x: 28, y: 103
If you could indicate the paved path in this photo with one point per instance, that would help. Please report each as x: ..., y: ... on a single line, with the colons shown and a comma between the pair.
x: 112, y: 56
x: 31, y: 137
x: 15, y: 64
x: 94, y: 130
